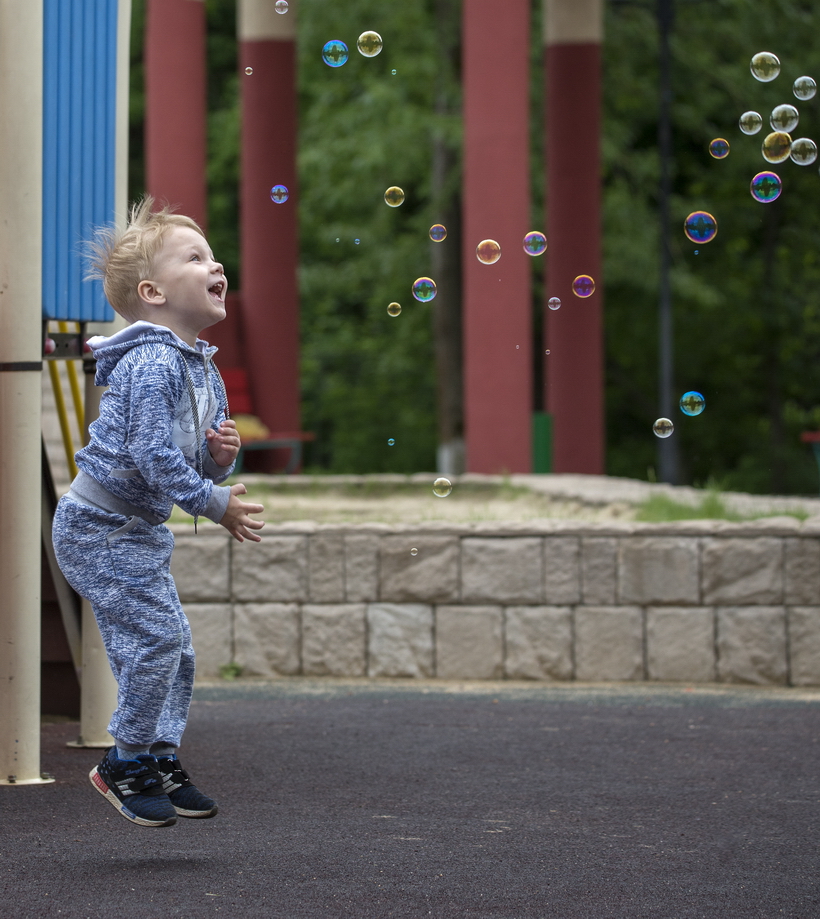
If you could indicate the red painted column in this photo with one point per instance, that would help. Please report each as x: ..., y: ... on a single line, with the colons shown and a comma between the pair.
x: 269, y: 233
x: 496, y: 205
x: 574, y: 333
x: 175, y: 105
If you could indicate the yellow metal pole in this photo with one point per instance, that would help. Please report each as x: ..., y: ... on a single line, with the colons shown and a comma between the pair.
x: 74, y: 383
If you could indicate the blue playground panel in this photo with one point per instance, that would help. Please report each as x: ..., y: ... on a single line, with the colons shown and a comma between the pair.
x: 79, y: 148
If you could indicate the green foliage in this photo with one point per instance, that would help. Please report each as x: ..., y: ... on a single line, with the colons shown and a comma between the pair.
x: 663, y: 509
x: 230, y: 671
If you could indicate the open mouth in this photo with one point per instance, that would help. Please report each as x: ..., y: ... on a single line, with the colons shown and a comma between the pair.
x: 217, y: 290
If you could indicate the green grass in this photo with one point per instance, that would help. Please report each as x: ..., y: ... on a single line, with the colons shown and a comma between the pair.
x: 663, y: 509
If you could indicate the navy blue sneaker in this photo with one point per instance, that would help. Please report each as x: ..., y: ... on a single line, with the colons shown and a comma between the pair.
x: 135, y: 788
x: 187, y: 799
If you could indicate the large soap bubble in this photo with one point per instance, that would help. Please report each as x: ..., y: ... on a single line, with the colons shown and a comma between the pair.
x: 393, y: 309
x: 700, y: 227
x: 766, y: 187
x: 692, y: 403
x: 279, y: 194
x: 583, y: 286
x: 488, y: 252
x: 765, y: 66
x: 784, y: 118
x: 369, y: 44
x: 804, y: 88
x: 554, y: 303
x: 438, y: 232
x: 535, y: 243
x: 442, y: 487
x: 750, y: 122
x: 803, y: 151
x: 424, y: 289
x: 776, y: 147
x: 394, y: 196
x: 719, y: 148
x: 663, y: 427
x: 334, y: 53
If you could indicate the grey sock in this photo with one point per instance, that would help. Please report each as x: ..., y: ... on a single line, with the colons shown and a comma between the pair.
x: 130, y: 750
x: 161, y: 748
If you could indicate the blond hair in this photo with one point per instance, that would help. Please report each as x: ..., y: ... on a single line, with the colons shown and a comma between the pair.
x: 121, y: 258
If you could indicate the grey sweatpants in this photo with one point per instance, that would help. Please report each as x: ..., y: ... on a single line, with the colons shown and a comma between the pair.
x: 122, y: 566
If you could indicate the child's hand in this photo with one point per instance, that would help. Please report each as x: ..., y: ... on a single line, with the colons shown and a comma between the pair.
x: 236, y: 520
x: 224, y: 444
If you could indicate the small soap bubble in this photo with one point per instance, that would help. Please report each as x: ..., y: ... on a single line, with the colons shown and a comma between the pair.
x: 369, y: 44
x: 438, y: 232
x: 803, y: 151
x: 719, y: 148
x: 391, y: 441
x: 776, y: 147
x: 554, y: 303
x: 281, y: 6
x: 337, y: 239
x: 334, y: 53
x: 357, y: 241
x: 393, y: 72
x: 663, y: 427
x: 784, y: 118
x: 547, y: 351
x: 765, y: 66
x: 394, y: 196
x: 692, y: 403
x: 393, y: 309
x: 414, y: 551
x: 279, y: 194
x: 424, y: 289
x: 583, y: 286
x: 488, y: 252
x: 249, y: 70
x: 750, y: 122
x: 535, y: 243
x: 804, y: 88
x: 766, y: 187
x: 700, y: 227
x: 442, y: 487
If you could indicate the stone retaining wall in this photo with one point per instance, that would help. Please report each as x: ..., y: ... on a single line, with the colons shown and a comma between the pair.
x: 700, y: 601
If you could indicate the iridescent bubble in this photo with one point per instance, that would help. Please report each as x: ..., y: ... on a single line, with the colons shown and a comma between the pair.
x: 281, y: 6
x: 391, y: 441
x: 583, y: 286
x: 438, y: 232
x: 765, y: 66
x: 784, y: 118
x: 766, y: 187
x: 700, y: 227
x: 692, y: 403
x: 357, y: 241
x: 414, y: 551
x: 535, y: 243
x: 488, y: 252
x: 334, y: 53
x: 424, y: 289
x: 803, y: 151
x: 394, y: 196
x: 547, y: 351
x: 750, y: 122
x: 369, y: 44
x: 279, y: 194
x: 663, y: 427
x: 393, y: 72
x: 393, y: 309
x: 442, y: 487
x: 554, y: 303
x: 776, y: 147
x: 804, y: 88
x: 249, y: 70
x: 719, y: 148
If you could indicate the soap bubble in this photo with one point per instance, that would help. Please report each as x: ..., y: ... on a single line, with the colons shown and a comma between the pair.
x: 776, y: 147
x: 804, y: 88
x: 765, y: 66
x: 583, y: 286
x: 784, y: 118
x: 369, y: 44
x: 750, y: 122
x: 692, y: 403
x: 394, y: 196
x: 803, y: 151
x: 535, y: 243
x: 554, y: 303
x: 249, y: 70
x: 424, y: 289
x: 393, y: 72
x: 279, y: 194
x: 488, y: 252
x: 391, y: 441
x: 281, y: 6
x: 547, y: 351
x: 393, y: 309
x: 719, y: 148
x: 414, y: 551
x: 334, y: 53
x: 438, y: 232
x: 442, y: 487
x: 663, y: 427
x: 765, y: 187
x: 700, y: 227
x: 357, y: 241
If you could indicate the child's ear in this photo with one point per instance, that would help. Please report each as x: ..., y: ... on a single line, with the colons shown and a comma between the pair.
x: 150, y: 293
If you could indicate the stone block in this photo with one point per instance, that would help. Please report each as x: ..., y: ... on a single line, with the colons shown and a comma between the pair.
x: 599, y: 570
x: 659, y: 569
x: 211, y: 632
x: 751, y: 644
x: 334, y: 639
x: 469, y: 643
x: 562, y: 570
x: 608, y: 643
x: 502, y: 570
x: 680, y: 643
x: 804, y: 645
x: 742, y: 572
x: 538, y: 642
x: 266, y: 638
x: 326, y: 572
x: 400, y: 640
x: 274, y: 570
x: 361, y: 567
x: 431, y: 576
x: 201, y: 568
x: 802, y: 571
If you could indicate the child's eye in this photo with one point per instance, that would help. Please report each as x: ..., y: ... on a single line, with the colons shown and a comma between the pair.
x: 194, y: 258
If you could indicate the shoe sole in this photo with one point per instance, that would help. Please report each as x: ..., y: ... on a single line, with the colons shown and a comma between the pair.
x: 99, y: 783
x: 196, y: 815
